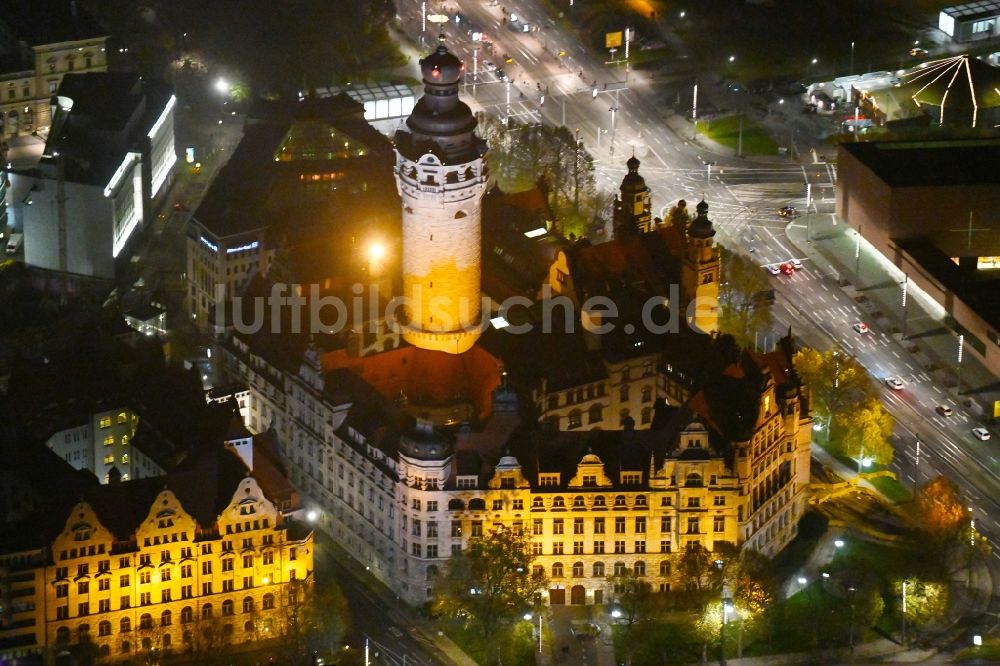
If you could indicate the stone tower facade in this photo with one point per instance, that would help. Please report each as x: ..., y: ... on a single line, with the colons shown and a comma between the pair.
x: 441, y: 178
x: 632, y: 208
x: 700, y: 273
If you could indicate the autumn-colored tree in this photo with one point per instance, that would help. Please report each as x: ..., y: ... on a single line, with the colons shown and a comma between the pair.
x: 864, y: 432
x: 836, y: 380
x: 941, y: 511
x: 744, y: 298
x: 695, y: 565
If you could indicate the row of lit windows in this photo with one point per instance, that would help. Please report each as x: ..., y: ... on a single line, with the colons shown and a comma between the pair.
x: 106, y: 420
x: 598, y: 569
x: 166, y: 617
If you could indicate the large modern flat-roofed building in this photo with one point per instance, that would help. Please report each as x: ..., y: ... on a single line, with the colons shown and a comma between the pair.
x: 40, y: 41
x: 971, y: 21
x: 316, y: 162
x: 109, y: 155
x: 931, y: 208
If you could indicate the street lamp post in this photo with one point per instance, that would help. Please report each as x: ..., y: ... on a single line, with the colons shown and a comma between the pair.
x: 850, y: 629
x: 857, y: 255
x: 961, y: 348
x: 904, y: 612
x: 614, y: 112
x: 906, y: 284
x: 851, y: 70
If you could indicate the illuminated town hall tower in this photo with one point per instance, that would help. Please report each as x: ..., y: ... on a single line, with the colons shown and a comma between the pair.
x: 441, y: 177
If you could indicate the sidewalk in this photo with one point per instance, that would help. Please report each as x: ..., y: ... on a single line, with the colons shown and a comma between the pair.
x: 831, y: 245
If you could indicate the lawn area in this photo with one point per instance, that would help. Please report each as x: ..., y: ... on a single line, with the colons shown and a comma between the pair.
x: 892, y: 489
x: 987, y: 653
x: 512, y: 645
x: 726, y: 131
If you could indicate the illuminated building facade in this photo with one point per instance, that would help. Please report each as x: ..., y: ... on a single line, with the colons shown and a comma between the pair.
x: 39, y: 44
x: 109, y: 155
x: 441, y: 177
x: 184, y: 563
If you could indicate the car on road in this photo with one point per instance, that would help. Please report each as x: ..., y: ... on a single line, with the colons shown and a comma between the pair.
x: 786, y: 211
x: 773, y: 269
x: 396, y: 632
x: 861, y: 327
x: 796, y: 263
x: 918, y: 52
x: 786, y: 268
x: 895, y: 383
x: 943, y: 410
x: 981, y: 433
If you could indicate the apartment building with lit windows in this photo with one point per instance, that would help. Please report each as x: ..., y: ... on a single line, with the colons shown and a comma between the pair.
x: 40, y: 42
x: 184, y: 563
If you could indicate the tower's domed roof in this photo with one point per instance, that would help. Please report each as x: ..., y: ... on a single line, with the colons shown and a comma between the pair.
x: 442, y: 67
x: 424, y: 442
x: 632, y: 180
x: 702, y: 226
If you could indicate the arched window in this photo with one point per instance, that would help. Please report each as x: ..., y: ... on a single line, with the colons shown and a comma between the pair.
x: 146, y: 621
x: 227, y: 630
x: 665, y: 568
x: 126, y: 647
x: 557, y: 570
x: 599, y: 502
x: 452, y: 177
x: 558, y: 503
x: 165, y: 618
x: 598, y: 569
x: 125, y: 625
x: 147, y: 644
x: 186, y: 637
x: 104, y: 651
x: 248, y: 626
x: 267, y: 602
x: 647, y: 416
x: 578, y: 502
x: 578, y: 570
x: 166, y: 640
x: 537, y: 503
x: 640, y: 500
x: 104, y: 628
x: 186, y: 615
x: 247, y: 604
x: 227, y: 607
x: 206, y: 611
x: 647, y: 394
x: 619, y: 500
x: 456, y: 505
x: 619, y: 568
x: 639, y: 568
x: 575, y: 419
x: 693, y: 480
x: 595, y: 414
x: 477, y: 504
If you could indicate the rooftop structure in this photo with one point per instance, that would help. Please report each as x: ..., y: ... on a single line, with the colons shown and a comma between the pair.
x: 971, y: 21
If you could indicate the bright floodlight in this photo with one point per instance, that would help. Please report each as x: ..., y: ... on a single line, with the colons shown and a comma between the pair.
x: 616, y: 613
x: 312, y: 515
x: 814, y: 61
x: 527, y: 616
x: 826, y: 575
x: 535, y: 233
x: 732, y: 58
x: 376, y: 252
x: 802, y: 580
x: 222, y: 85
x: 839, y: 543
x: 977, y: 640
x: 499, y: 322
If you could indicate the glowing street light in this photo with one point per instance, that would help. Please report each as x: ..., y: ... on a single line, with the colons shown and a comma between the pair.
x: 376, y: 252
x: 839, y: 543
x: 222, y: 85
x: 312, y: 515
x: 732, y: 58
x: 802, y: 580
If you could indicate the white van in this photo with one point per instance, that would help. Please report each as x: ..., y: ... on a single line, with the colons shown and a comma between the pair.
x: 14, y: 243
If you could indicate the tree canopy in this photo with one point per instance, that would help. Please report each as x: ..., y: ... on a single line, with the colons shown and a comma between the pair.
x: 836, y: 380
x: 864, y: 432
x: 491, y: 583
x: 744, y: 295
